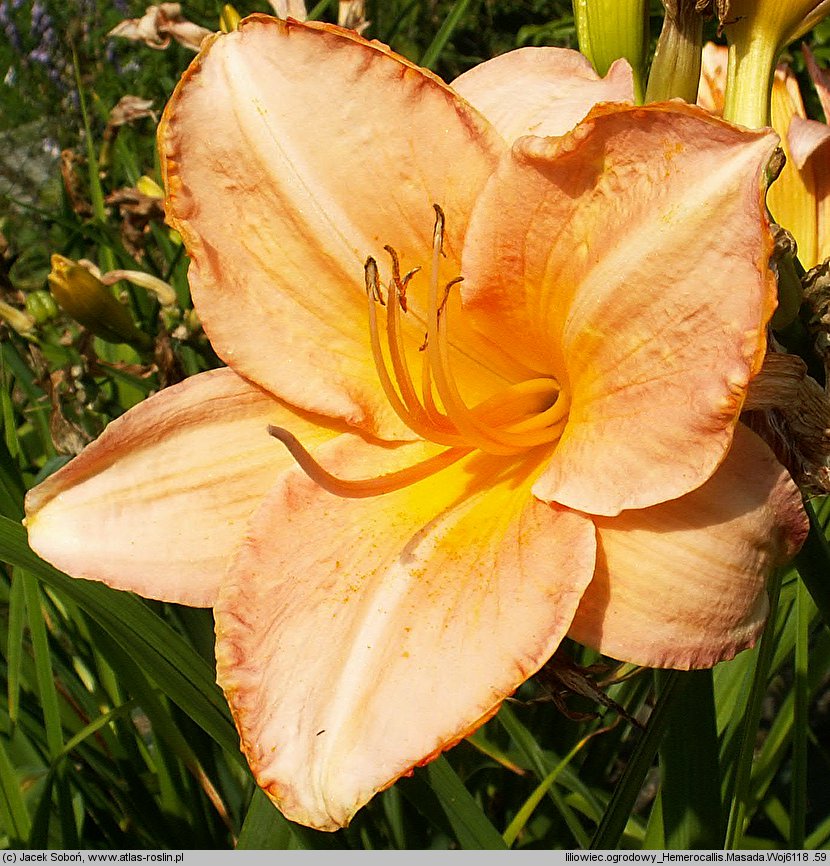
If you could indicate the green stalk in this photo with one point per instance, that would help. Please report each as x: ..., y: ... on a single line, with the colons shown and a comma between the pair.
x: 675, y: 70
x: 583, y: 33
x: 610, y: 29
x: 749, y: 81
x: 96, y: 192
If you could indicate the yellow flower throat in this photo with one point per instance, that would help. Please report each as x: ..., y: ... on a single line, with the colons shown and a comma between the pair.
x: 525, y: 415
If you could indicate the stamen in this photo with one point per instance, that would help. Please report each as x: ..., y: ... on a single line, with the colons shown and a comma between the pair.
x: 374, y: 295
x: 400, y: 284
x: 476, y: 430
x: 366, y: 487
x: 473, y: 430
x: 405, y: 405
x: 434, y: 428
x: 521, y: 416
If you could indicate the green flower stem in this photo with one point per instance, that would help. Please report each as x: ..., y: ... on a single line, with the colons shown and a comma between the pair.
x: 583, y: 32
x: 675, y: 70
x: 749, y: 80
x: 610, y: 29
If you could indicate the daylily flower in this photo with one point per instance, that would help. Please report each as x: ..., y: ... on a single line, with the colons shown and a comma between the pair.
x: 800, y: 197
x: 472, y: 471
x: 159, y: 25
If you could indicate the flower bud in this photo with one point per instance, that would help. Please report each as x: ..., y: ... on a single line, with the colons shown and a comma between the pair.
x: 229, y: 19
x: 147, y: 186
x: 41, y: 306
x: 86, y: 299
x: 18, y: 320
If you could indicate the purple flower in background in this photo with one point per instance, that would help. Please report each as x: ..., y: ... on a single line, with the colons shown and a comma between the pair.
x: 39, y: 13
x: 9, y: 27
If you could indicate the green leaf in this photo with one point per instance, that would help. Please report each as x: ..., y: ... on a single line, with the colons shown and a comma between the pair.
x: 14, y: 647
x: 431, y: 55
x: 542, y: 764
x: 13, y: 812
x: 813, y: 564
x: 741, y: 786
x: 689, y: 766
x: 801, y: 722
x: 264, y: 827
x: 183, y: 676
x: 470, y: 825
x: 523, y: 815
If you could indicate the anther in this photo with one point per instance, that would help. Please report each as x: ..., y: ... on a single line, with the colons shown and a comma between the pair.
x: 447, y: 289
x: 370, y: 271
x: 438, y: 230
x: 400, y: 283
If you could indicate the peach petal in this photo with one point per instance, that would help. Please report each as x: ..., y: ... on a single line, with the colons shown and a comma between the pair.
x: 805, y: 137
x: 541, y: 91
x: 160, y: 501
x: 629, y: 260
x: 789, y: 199
x: 712, y: 86
x: 682, y: 584
x: 281, y: 188
x: 359, y: 638
x: 799, y: 199
x: 821, y: 80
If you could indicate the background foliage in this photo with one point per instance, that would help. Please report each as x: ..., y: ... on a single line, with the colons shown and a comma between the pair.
x: 113, y: 732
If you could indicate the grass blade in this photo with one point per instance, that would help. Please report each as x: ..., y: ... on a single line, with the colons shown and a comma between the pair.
x: 689, y: 766
x: 813, y: 564
x: 471, y: 827
x: 430, y: 57
x: 178, y: 671
x: 612, y: 825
